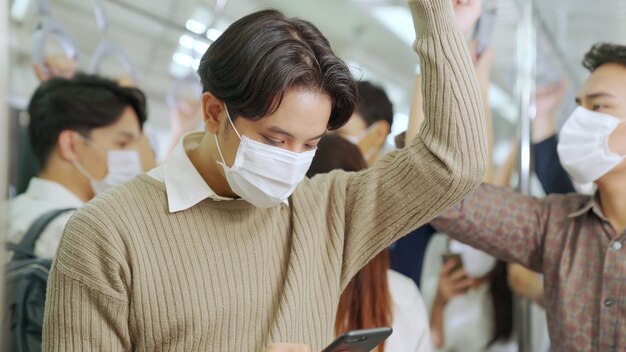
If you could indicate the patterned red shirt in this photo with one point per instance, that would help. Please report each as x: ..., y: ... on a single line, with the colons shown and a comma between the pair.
x: 570, y: 241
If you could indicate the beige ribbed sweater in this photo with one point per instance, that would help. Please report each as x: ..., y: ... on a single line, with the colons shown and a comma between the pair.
x: 225, y: 276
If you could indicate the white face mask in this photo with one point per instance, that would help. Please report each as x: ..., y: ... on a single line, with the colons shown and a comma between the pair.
x: 122, y: 165
x: 356, y: 140
x: 264, y: 175
x: 476, y: 263
x: 584, y: 145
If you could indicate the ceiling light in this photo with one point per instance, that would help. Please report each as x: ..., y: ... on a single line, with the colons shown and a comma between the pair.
x: 19, y: 9
x: 195, y: 26
x: 182, y: 59
x: 212, y: 34
x: 200, y: 47
x: 186, y: 41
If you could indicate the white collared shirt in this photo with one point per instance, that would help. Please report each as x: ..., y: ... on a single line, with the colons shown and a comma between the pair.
x: 40, y: 197
x: 184, y: 185
x: 411, y: 329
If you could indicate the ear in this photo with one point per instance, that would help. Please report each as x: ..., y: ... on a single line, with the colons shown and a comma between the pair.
x: 212, y: 109
x: 67, y: 145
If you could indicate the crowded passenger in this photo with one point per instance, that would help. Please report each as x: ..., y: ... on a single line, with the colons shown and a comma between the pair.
x: 219, y: 240
x: 376, y: 296
x: 84, y: 133
x: 270, y: 213
x: 575, y: 241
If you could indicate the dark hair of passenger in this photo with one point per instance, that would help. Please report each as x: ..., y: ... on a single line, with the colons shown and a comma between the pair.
x: 81, y: 104
x: 366, y: 301
x: 265, y: 54
x: 502, y: 303
x: 336, y: 153
x: 604, y: 53
x: 373, y: 104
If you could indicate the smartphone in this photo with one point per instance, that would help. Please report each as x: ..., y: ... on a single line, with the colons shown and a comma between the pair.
x: 458, y: 261
x: 483, y: 33
x: 359, y: 340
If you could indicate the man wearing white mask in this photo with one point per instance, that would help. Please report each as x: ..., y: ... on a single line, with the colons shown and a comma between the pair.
x: 84, y: 133
x: 576, y: 241
x: 227, y: 246
x: 370, y: 123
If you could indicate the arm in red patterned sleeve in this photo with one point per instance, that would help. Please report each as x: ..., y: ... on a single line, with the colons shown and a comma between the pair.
x: 500, y: 222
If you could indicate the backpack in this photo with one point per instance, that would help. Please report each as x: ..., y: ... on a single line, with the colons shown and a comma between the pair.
x: 25, y: 279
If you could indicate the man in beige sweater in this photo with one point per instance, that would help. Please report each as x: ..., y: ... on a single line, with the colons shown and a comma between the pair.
x: 226, y: 247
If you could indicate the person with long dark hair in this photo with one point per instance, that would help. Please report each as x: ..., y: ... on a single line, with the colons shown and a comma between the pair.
x: 376, y: 296
x: 473, y: 306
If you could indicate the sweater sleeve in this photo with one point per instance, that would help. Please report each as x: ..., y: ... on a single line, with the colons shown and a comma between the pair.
x: 444, y: 162
x: 87, y: 303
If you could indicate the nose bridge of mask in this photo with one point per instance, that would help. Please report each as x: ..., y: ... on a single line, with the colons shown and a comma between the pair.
x: 264, y: 160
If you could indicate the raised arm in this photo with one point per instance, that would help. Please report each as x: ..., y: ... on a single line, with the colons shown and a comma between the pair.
x: 501, y: 222
x: 442, y: 164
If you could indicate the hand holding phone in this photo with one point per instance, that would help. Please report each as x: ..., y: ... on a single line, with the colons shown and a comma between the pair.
x: 359, y: 340
x: 454, y: 257
x: 453, y: 279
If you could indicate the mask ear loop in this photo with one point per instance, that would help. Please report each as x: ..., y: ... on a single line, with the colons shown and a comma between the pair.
x: 231, y: 121
x: 219, y: 150
x: 91, y: 143
x: 83, y: 171
x: 78, y: 165
x: 217, y: 143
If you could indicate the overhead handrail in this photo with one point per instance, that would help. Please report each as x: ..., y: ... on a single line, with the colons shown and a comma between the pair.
x: 107, y: 47
x: 50, y: 27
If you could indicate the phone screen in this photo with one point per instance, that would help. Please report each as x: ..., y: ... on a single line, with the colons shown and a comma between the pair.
x: 458, y: 261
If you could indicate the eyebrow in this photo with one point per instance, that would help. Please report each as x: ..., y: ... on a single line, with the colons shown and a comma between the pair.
x: 280, y: 131
x: 597, y: 95
x: 127, y: 135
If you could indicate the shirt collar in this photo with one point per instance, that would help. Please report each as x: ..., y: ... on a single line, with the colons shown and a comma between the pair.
x: 47, y: 190
x: 184, y: 185
x: 593, y: 204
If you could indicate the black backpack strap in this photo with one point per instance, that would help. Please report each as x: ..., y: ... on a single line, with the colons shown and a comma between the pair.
x: 27, y: 245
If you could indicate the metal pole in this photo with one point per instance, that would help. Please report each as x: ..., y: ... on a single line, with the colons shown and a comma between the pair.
x: 550, y: 38
x: 526, y: 67
x: 4, y: 130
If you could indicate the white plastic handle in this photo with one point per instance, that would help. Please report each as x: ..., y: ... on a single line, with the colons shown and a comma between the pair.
x: 108, y: 48
x: 50, y: 27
